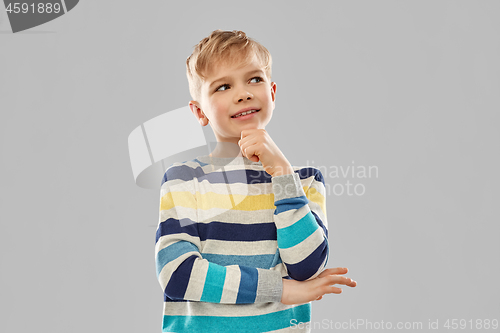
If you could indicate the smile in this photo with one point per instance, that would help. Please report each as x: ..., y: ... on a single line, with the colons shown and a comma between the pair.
x: 246, y: 115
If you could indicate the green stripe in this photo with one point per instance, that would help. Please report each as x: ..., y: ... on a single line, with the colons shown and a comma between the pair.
x: 214, y: 282
x: 260, y: 323
x: 297, y: 232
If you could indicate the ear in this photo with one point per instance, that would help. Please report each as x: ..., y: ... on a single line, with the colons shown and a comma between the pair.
x: 198, y: 113
x: 273, y: 91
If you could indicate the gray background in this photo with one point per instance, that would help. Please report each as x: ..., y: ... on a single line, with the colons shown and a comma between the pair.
x: 411, y: 87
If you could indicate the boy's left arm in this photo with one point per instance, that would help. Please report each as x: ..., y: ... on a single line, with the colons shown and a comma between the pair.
x: 300, y: 218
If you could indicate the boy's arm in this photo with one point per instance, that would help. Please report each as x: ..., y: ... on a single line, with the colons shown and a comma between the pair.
x: 300, y: 219
x: 181, y: 270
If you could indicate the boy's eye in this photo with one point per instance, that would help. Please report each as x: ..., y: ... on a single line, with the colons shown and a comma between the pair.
x: 224, y: 85
x: 227, y: 85
x: 257, y: 77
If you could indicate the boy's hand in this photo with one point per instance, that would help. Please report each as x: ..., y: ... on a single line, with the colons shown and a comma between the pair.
x: 299, y: 292
x: 256, y: 144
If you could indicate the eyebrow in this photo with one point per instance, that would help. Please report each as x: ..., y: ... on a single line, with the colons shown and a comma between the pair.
x: 225, y: 78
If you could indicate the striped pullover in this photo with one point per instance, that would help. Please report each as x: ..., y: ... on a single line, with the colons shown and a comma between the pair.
x: 228, y: 233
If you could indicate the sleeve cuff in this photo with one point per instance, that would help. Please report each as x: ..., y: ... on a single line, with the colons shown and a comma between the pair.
x: 269, y: 287
x: 287, y: 186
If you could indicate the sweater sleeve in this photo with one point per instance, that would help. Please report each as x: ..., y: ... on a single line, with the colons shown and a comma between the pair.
x: 300, y: 218
x: 181, y: 270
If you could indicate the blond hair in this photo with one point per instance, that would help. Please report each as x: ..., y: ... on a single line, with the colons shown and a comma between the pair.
x: 223, y: 47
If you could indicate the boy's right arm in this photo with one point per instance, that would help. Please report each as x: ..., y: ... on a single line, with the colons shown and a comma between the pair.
x: 181, y: 270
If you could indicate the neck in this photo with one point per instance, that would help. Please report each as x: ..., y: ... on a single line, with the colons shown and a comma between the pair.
x: 226, y: 149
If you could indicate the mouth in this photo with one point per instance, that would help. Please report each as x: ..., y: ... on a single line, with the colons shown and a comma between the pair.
x: 245, y: 115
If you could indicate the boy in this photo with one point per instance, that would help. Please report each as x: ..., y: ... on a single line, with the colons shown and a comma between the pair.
x: 250, y: 259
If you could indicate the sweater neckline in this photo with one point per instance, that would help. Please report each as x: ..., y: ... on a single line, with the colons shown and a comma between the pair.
x: 223, y: 161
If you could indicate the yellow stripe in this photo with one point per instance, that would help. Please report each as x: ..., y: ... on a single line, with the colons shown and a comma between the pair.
x: 313, y: 195
x: 223, y: 201
x: 172, y: 199
x: 235, y: 201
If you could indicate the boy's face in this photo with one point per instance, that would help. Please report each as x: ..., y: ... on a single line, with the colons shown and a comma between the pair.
x: 229, y: 89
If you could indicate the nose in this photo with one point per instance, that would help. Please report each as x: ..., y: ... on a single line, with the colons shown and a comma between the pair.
x: 244, y: 94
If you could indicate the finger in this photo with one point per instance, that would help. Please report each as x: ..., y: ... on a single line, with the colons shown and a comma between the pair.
x: 248, y: 140
x: 247, y: 149
x: 332, y: 290
x: 337, y: 279
x: 244, y: 133
x: 243, y: 148
x: 249, y: 152
x: 336, y: 270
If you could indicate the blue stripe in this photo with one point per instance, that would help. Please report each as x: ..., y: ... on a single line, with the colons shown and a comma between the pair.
x: 327, y: 252
x: 305, y: 173
x: 183, y: 172
x: 245, y: 176
x: 224, y: 324
x: 177, y: 285
x: 297, y: 232
x: 248, y: 285
x: 239, y: 176
x: 290, y: 203
x: 257, y: 261
x: 168, y: 299
x: 306, y: 268
x: 172, y: 252
x: 173, y: 226
x: 325, y: 230
x: 218, y: 230
x: 214, y: 281
x: 277, y: 258
x: 237, y: 231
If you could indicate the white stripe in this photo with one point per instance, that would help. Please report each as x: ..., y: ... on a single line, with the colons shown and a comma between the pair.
x: 177, y: 212
x: 302, y: 250
x: 168, y: 240
x: 281, y: 268
x: 196, y: 283
x: 234, y: 215
x: 220, y: 309
x: 176, y: 185
x: 317, y: 185
x: 317, y: 209
x: 239, y: 248
x: 231, y: 285
x: 236, y: 188
x: 290, y: 217
x: 167, y: 270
